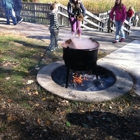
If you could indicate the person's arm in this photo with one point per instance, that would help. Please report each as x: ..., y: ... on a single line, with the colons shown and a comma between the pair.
x: 3, y: 3
x: 69, y: 9
x: 124, y: 13
x: 111, y: 14
x: 20, y: 4
x: 83, y: 9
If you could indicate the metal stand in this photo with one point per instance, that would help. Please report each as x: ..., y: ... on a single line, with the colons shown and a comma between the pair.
x: 68, y: 73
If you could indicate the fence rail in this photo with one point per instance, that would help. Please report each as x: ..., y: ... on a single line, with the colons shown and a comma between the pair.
x: 38, y: 13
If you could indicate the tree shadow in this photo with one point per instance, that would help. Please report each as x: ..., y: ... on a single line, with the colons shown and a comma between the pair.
x: 120, y: 127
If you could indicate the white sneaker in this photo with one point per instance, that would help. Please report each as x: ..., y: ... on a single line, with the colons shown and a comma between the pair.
x: 20, y: 21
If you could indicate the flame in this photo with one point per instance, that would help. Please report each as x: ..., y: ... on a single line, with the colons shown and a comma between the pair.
x: 77, y: 79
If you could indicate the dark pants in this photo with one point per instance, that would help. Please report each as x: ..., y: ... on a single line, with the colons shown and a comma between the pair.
x: 10, y: 13
x: 53, y: 38
x: 17, y: 12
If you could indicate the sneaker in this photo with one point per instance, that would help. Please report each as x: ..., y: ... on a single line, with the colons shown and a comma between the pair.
x: 57, y: 47
x: 15, y: 23
x: 20, y: 21
x: 115, y: 41
x: 51, y: 49
x: 121, y: 40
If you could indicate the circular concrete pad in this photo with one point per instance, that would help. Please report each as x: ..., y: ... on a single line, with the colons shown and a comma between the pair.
x: 122, y: 85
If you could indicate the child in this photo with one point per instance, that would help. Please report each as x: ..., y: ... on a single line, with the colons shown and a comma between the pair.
x: 76, y: 12
x: 120, y: 15
x: 54, y: 27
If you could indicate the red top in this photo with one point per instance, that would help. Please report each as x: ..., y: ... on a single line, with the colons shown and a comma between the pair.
x: 130, y: 13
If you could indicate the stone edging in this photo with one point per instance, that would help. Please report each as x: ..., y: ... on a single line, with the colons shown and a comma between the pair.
x: 122, y: 85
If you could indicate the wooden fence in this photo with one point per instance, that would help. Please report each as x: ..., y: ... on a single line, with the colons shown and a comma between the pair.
x: 38, y: 13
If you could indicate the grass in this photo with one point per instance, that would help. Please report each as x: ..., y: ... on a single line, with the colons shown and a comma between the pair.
x: 100, y: 5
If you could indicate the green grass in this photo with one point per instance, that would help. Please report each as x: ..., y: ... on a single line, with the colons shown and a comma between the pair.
x: 18, y: 57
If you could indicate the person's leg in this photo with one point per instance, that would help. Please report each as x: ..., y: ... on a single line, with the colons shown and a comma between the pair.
x: 122, y: 33
x: 19, y: 19
x: 7, y: 14
x: 117, y: 31
x: 79, y: 28
x: 56, y: 38
x: 73, y: 25
x: 13, y: 16
x: 52, y: 40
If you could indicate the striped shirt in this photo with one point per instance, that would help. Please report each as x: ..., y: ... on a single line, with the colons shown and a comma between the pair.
x: 53, y: 21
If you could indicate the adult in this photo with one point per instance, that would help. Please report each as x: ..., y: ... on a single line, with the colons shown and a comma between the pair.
x: 76, y: 12
x: 9, y: 11
x: 17, y: 9
x: 130, y: 14
x: 136, y: 20
x: 120, y: 15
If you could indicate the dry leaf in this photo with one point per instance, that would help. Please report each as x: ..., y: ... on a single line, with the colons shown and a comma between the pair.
x: 43, y: 99
x: 47, y: 123
x: 120, y: 108
x: 82, y: 111
x: 36, y: 92
x: 36, y: 105
x: 110, y: 107
x: 38, y: 121
x: 127, y: 104
x: 7, y: 78
x: 28, y: 88
x: 9, y: 100
x: 22, y: 122
x: 135, y: 107
x: 29, y: 93
x: 30, y: 102
x: 29, y: 82
x: 37, y: 68
x: 11, y: 118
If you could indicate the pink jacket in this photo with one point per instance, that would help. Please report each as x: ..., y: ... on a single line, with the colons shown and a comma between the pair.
x: 120, y: 14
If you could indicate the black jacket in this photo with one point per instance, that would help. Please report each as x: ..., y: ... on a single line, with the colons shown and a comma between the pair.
x: 73, y: 11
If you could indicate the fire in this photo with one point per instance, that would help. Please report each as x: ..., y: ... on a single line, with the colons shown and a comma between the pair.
x: 77, y: 78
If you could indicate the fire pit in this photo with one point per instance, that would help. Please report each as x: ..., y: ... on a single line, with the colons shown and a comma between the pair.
x: 80, y: 56
x: 93, y: 83
x: 47, y: 73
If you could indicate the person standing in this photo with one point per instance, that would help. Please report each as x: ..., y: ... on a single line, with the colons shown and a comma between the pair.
x: 54, y: 27
x: 9, y: 11
x: 136, y: 20
x: 130, y: 14
x: 76, y: 12
x: 120, y: 15
x: 17, y: 9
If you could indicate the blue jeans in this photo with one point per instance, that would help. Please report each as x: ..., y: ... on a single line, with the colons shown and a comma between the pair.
x: 17, y: 12
x: 53, y: 39
x: 119, y: 30
x: 10, y: 13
